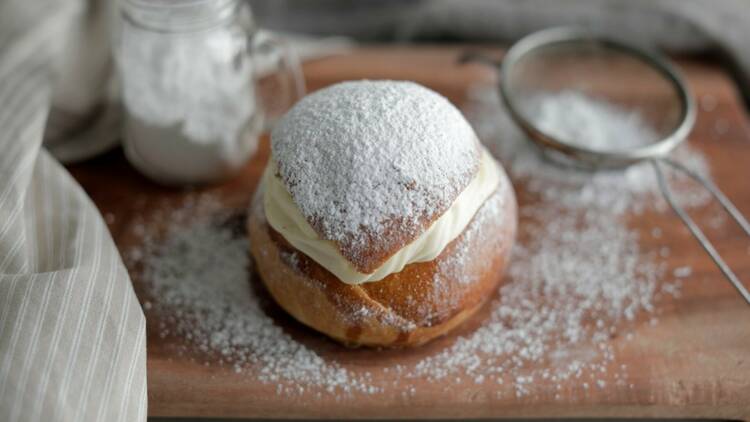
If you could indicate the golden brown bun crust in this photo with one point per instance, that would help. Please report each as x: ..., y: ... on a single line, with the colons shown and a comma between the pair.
x: 423, y: 301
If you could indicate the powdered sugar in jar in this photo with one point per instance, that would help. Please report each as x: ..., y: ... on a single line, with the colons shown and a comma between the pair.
x: 188, y: 73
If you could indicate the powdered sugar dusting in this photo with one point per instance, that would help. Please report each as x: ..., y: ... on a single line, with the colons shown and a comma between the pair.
x: 571, y: 286
x: 622, y: 190
x: 198, y: 273
x: 589, y: 122
x: 578, y: 275
x: 579, y: 281
x: 362, y: 159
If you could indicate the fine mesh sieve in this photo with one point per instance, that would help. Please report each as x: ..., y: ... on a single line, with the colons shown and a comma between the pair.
x: 562, y: 60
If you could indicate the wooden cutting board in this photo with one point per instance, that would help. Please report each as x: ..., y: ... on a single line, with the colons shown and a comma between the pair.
x: 694, y: 363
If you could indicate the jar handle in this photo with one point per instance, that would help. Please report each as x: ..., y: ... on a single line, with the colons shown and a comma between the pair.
x: 274, y: 59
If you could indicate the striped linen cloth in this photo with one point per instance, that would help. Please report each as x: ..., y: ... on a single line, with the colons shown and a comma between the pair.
x: 72, y: 333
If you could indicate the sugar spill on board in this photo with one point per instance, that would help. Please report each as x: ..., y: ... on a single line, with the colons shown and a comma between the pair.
x: 198, y: 272
x: 578, y: 278
x: 578, y: 275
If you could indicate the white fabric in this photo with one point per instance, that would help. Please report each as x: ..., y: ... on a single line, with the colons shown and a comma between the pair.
x: 72, y: 333
x: 85, y: 117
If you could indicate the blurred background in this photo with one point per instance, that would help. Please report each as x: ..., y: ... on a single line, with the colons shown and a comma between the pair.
x: 678, y: 26
x: 82, y: 117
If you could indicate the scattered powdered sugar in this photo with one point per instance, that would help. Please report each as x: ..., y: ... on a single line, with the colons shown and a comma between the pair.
x: 578, y: 273
x: 199, y: 274
x: 588, y: 122
x: 365, y: 158
x: 621, y: 190
x: 578, y: 281
x: 571, y: 285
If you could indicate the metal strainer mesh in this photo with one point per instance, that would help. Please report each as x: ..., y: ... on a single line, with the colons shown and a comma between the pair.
x: 568, y: 60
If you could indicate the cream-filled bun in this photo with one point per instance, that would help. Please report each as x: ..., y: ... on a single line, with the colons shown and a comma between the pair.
x: 380, y: 220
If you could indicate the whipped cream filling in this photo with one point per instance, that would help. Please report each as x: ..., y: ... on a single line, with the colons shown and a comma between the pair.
x: 286, y: 218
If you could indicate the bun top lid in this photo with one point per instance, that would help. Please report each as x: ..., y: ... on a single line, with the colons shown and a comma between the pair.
x: 371, y: 164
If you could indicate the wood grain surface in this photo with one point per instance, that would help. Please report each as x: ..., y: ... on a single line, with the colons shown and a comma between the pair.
x: 694, y: 363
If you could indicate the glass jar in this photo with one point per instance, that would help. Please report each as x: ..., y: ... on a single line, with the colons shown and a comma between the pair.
x: 189, y: 71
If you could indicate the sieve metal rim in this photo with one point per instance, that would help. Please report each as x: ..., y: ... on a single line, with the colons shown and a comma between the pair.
x: 591, y: 157
x: 655, y: 153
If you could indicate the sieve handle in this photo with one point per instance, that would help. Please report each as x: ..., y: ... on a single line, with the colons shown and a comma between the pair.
x: 694, y: 229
